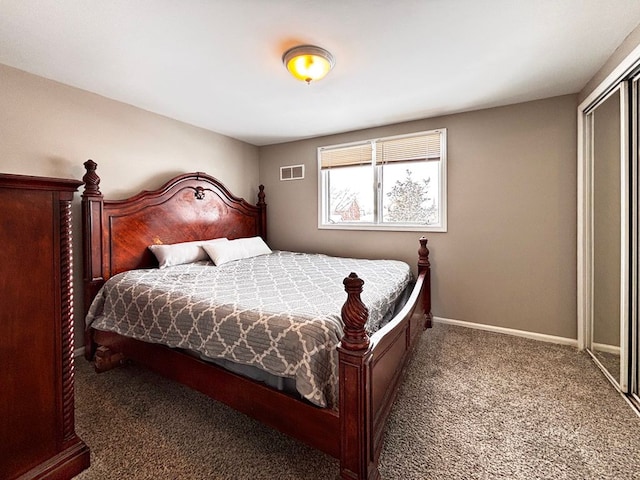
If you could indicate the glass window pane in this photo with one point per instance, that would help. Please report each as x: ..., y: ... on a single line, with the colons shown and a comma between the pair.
x: 350, y: 197
x: 410, y: 193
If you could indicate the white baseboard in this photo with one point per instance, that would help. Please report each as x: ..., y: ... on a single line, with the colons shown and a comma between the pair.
x: 78, y: 352
x: 603, y: 347
x: 510, y: 331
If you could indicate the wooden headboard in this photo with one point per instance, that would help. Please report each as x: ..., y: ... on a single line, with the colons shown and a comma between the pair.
x: 193, y: 206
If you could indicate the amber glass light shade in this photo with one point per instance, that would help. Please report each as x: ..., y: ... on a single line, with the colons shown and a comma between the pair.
x: 308, y: 63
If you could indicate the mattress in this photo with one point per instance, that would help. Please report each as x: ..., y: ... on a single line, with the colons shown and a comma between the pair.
x: 279, y: 312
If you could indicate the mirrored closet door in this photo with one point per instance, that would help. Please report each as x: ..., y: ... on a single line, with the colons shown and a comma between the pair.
x: 608, y: 225
x: 609, y: 209
x: 634, y: 366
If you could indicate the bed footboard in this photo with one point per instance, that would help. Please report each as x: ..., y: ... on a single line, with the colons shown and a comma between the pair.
x: 371, y: 370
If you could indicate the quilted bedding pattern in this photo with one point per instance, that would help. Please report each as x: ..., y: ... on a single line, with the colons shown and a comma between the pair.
x: 279, y: 312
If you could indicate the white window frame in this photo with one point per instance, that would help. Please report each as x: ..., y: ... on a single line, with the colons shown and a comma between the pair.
x: 323, y: 222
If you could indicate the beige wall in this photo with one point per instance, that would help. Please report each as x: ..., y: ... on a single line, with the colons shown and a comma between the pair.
x: 509, y: 256
x: 50, y: 129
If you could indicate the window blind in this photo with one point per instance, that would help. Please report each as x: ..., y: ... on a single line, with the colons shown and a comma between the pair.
x: 346, y: 156
x: 418, y: 147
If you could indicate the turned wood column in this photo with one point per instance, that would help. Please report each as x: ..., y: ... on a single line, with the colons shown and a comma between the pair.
x: 93, y: 276
x: 263, y: 213
x: 356, y: 451
x: 425, y: 266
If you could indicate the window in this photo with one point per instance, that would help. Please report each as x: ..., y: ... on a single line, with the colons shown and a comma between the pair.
x: 392, y: 183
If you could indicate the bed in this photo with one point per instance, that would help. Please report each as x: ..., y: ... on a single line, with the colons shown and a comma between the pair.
x: 343, y: 415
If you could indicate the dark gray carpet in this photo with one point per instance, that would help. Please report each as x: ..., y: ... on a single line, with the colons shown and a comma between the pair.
x: 474, y: 405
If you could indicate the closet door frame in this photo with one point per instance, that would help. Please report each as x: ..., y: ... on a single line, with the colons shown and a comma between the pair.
x: 618, y: 79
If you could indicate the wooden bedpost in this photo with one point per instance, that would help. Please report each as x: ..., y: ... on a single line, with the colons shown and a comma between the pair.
x: 263, y: 213
x: 354, y: 353
x: 354, y: 315
x: 425, y: 266
x: 93, y: 276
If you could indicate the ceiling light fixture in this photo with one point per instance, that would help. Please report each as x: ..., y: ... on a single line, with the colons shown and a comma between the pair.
x: 308, y: 63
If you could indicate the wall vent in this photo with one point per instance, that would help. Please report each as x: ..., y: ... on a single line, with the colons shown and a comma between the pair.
x: 292, y: 172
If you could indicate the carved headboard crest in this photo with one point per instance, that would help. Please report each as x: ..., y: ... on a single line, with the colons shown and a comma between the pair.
x: 199, y: 193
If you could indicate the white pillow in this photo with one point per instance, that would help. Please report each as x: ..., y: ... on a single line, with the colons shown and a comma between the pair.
x: 236, y: 249
x: 180, y: 253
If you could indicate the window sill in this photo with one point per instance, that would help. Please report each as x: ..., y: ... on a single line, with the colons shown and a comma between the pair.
x: 388, y: 228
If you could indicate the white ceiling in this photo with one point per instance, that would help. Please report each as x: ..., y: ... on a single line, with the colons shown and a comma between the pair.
x: 217, y: 63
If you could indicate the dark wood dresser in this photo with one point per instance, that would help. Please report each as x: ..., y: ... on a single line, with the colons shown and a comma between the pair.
x: 37, y: 433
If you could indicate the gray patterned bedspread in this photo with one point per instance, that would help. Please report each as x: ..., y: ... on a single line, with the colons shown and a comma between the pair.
x: 279, y: 312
